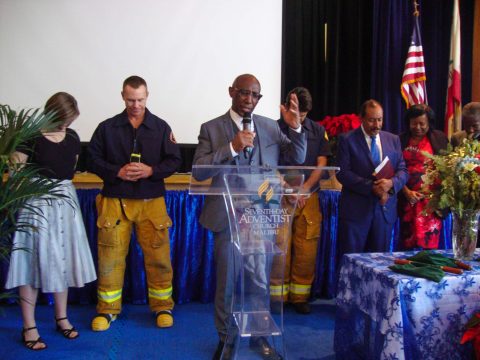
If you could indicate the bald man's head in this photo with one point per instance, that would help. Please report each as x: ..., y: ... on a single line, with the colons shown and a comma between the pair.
x: 245, y: 94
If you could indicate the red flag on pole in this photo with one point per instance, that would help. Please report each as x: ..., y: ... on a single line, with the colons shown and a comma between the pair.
x: 414, y: 87
x: 453, y: 114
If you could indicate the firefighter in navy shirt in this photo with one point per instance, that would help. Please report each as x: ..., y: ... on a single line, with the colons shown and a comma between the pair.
x: 133, y: 152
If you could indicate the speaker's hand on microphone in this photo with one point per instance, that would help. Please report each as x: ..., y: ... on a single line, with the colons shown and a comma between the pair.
x: 243, y: 139
x: 290, y: 112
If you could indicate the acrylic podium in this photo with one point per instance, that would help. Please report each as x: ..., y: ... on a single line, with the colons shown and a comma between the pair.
x: 259, y: 203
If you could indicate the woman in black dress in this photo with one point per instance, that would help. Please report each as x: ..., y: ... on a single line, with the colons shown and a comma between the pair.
x: 53, y: 254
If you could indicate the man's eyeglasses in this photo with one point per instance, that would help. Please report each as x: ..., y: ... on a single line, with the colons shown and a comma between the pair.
x: 245, y: 92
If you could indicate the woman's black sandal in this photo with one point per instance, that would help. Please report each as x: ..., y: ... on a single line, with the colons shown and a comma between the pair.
x: 66, y: 332
x: 29, y: 344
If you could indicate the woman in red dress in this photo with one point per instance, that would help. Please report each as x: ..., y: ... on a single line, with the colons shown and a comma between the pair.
x: 417, y: 229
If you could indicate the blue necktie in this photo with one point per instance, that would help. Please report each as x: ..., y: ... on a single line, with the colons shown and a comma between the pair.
x: 375, y: 151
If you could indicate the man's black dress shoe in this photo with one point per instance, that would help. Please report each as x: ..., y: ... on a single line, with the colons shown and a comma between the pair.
x: 261, y: 346
x: 302, y: 308
x: 276, y: 307
x: 227, y: 354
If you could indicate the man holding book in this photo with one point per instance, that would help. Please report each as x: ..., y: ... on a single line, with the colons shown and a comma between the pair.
x: 372, y: 172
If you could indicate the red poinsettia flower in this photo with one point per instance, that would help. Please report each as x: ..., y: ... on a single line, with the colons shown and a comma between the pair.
x: 336, y: 125
x: 472, y: 333
x: 437, y: 183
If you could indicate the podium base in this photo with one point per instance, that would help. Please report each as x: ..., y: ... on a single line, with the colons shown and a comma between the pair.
x: 257, y: 323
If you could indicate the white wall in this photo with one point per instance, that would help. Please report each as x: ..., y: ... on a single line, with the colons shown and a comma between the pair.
x: 188, y: 51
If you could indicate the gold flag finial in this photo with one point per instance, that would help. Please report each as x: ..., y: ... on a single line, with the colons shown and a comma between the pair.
x: 415, y: 6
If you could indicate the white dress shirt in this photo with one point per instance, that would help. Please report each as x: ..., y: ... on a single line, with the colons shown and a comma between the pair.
x: 368, y: 139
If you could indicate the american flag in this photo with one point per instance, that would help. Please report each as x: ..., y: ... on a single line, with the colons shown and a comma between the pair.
x: 413, y: 87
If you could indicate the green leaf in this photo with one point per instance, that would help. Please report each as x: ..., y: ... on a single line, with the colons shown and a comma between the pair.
x: 450, y: 179
x: 24, y: 183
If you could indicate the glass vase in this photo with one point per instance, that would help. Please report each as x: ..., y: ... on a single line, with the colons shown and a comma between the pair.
x: 464, y: 234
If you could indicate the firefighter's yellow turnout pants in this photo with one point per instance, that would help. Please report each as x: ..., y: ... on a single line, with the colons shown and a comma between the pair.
x: 301, y: 253
x: 115, y: 219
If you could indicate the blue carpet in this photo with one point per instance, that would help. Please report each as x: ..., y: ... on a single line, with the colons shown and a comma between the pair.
x: 134, y: 334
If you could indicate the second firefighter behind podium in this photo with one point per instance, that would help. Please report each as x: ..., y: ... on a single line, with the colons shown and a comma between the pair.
x: 303, y: 243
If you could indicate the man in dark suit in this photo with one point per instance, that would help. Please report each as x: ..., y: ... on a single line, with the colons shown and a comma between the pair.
x: 222, y: 142
x: 368, y: 207
x: 470, y: 124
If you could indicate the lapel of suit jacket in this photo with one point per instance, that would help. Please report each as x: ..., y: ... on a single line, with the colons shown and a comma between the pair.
x: 227, y: 124
x: 385, y: 146
x: 260, y: 133
x: 256, y: 151
x: 360, y: 136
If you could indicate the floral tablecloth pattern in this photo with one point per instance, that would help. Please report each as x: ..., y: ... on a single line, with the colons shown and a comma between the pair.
x: 386, y: 315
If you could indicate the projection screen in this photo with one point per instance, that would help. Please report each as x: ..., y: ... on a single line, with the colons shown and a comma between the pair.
x: 188, y: 51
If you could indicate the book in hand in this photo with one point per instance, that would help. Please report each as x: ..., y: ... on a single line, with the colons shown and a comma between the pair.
x: 384, y: 170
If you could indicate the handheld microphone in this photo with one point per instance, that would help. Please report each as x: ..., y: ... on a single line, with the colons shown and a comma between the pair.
x: 247, y: 125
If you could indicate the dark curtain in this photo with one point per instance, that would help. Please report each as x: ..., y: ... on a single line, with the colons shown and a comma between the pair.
x: 436, y: 23
x: 392, y: 29
x: 303, y: 48
x: 349, y: 48
x: 339, y: 78
x: 367, y: 43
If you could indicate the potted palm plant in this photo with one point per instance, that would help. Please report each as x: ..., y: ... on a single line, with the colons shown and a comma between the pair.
x: 20, y: 183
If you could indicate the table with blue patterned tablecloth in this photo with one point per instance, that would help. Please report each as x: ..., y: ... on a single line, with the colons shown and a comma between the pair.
x: 385, y: 315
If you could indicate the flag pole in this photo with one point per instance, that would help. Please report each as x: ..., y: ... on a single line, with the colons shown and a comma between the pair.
x: 413, y: 86
x: 416, y: 13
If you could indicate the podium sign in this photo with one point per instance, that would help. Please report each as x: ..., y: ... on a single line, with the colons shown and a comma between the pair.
x: 260, y: 204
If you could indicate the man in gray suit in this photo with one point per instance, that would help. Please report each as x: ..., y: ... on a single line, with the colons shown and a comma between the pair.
x: 470, y: 124
x: 223, y: 142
